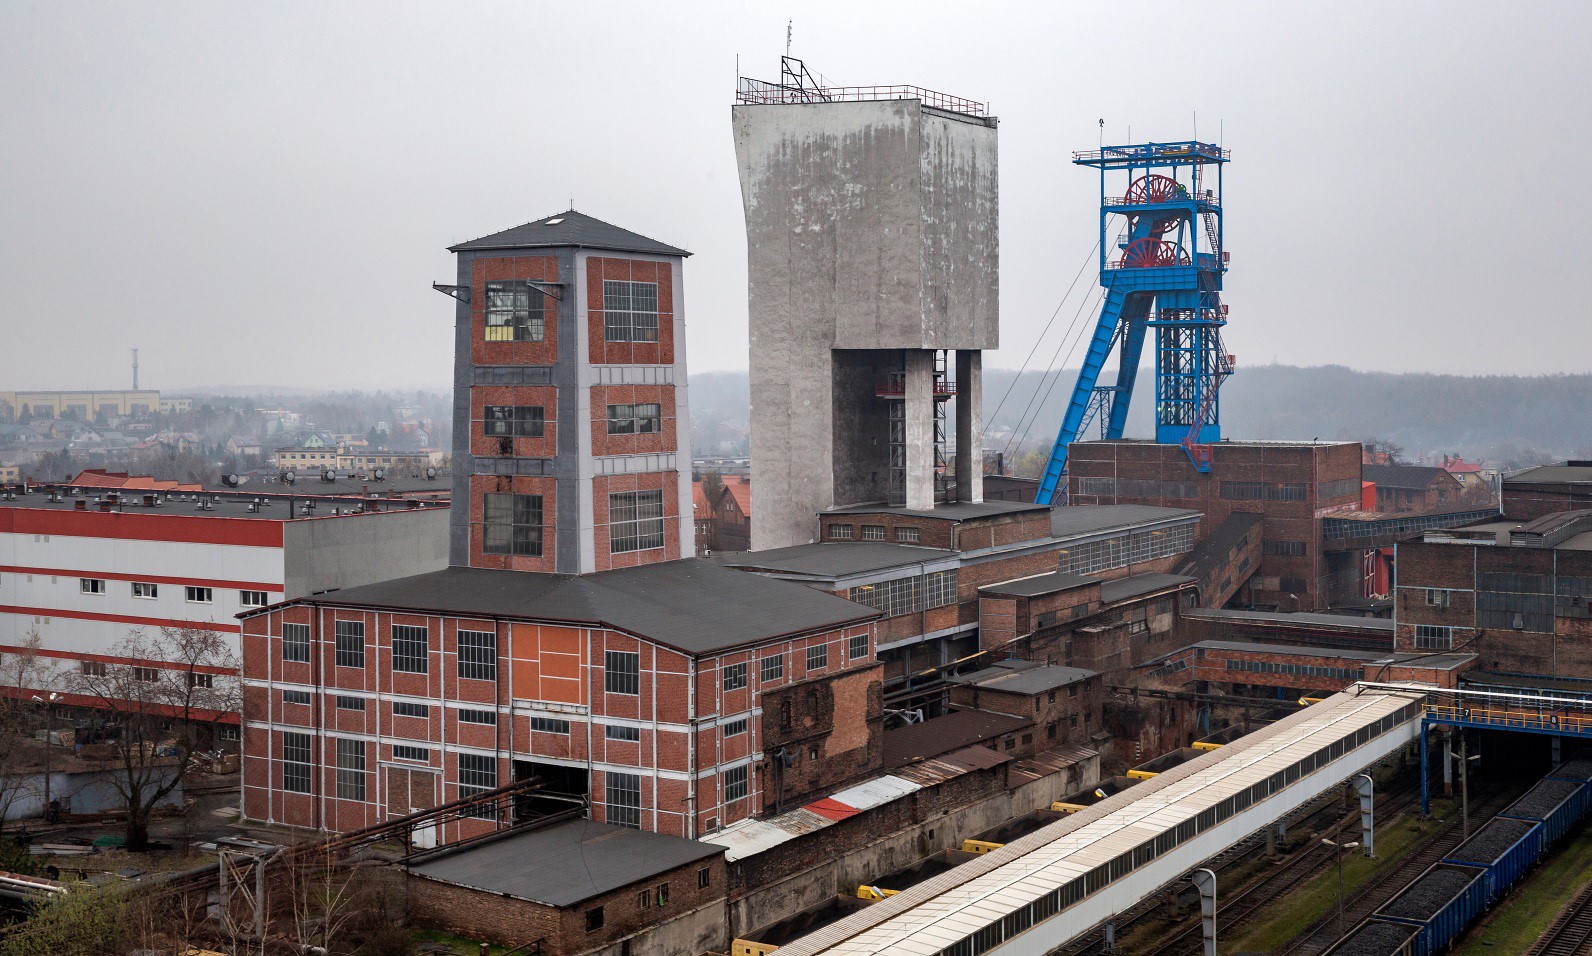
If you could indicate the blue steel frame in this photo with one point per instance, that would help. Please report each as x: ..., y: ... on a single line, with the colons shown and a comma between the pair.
x: 1574, y: 731
x: 1178, y: 295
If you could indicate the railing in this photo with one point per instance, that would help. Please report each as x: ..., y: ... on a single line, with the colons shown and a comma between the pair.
x: 1148, y: 151
x: 895, y: 386
x: 1212, y: 201
x: 762, y: 92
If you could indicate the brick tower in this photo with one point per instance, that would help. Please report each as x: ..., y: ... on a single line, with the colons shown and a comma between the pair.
x: 571, y: 439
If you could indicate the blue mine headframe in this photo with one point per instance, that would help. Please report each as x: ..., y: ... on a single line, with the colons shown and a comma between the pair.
x: 1163, y: 271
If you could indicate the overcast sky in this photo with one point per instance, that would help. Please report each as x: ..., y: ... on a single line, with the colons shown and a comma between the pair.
x: 261, y: 193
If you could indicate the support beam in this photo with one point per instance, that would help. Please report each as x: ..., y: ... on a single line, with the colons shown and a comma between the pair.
x: 1365, y: 786
x: 1205, y: 882
x: 969, y: 425
x: 919, y: 428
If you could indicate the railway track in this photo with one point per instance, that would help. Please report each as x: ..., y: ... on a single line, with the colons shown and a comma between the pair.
x: 1570, y: 934
x: 1241, y: 906
x: 1372, y: 896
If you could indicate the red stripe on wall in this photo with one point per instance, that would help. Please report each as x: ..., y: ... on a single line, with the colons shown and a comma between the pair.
x: 85, y: 700
x: 120, y: 618
x: 113, y: 659
x: 141, y: 526
x: 151, y: 578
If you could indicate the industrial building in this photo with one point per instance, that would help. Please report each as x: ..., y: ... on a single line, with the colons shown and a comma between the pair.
x: 86, y: 406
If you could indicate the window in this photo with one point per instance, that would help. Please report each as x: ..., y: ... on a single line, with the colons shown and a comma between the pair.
x: 1436, y: 597
x: 594, y: 919
x: 735, y: 728
x: 229, y: 733
x: 470, y: 716
x: 734, y: 676
x: 478, y: 774
x: 514, y: 312
x: 515, y: 421
x: 201, y: 681
x: 252, y: 598
x: 350, y: 769
x: 478, y: 655
x: 622, y: 672
x: 661, y: 892
x: 91, y: 585
x: 630, y: 311
x: 1433, y: 638
x: 908, y: 535
x: 635, y: 521
x: 296, y: 643
x: 350, y: 703
x: 407, y: 752
x: 145, y: 590
x: 512, y: 524
x: 93, y: 668
x: 624, y: 799
x: 840, y: 532
x: 857, y: 646
x: 645, y: 418
x: 409, y: 648
x: 1286, y: 549
x: 735, y: 783
x: 296, y: 763
x: 1134, y: 547
x: 295, y: 697
x: 405, y: 709
x: 200, y: 595
x: 873, y: 532
x: 771, y: 668
x: 616, y: 732
x: 704, y: 878
x: 941, y: 586
x: 817, y: 657
x: 147, y: 675
x: 350, y: 643
x: 550, y: 725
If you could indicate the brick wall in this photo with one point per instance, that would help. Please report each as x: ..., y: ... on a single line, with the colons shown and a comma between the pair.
x: 492, y: 269
x: 485, y: 446
x: 481, y: 485
x: 603, y: 352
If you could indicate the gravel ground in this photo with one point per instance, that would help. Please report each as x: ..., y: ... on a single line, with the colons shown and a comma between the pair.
x: 1542, y: 798
x: 1430, y: 893
x: 1491, y: 841
x: 1577, y: 769
x: 1374, y: 939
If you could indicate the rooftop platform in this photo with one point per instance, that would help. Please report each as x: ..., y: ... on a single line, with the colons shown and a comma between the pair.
x: 1024, y: 677
x: 829, y: 560
x: 1039, y: 891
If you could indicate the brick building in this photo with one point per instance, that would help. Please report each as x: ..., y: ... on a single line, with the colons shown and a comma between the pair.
x: 1539, y: 491
x: 573, y: 639
x: 1417, y: 489
x: 1061, y: 704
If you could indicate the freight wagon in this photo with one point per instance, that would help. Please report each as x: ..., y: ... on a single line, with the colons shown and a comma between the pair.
x: 1557, y: 804
x: 1440, y: 902
x: 1376, y: 937
x: 1506, y: 849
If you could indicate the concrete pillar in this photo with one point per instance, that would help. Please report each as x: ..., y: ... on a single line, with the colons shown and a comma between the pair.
x: 969, y: 425
x: 920, y: 428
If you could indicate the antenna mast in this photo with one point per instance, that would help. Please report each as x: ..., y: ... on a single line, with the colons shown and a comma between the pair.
x: 135, y: 370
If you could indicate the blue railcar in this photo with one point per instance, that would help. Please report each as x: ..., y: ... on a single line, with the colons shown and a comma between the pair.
x: 1579, y: 769
x: 1505, y: 848
x: 1558, y: 804
x: 1377, y: 937
x: 1441, y: 902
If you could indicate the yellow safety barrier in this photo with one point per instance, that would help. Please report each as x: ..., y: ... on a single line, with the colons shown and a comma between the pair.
x: 1143, y: 774
x: 747, y: 947
x: 1060, y: 807
x: 980, y: 846
x: 1307, y: 701
x: 874, y: 893
x: 1205, y: 745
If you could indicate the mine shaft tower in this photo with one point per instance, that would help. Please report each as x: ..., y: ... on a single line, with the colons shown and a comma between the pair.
x: 1163, y: 270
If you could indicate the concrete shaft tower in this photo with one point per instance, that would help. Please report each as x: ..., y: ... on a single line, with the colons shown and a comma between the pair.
x: 873, y: 259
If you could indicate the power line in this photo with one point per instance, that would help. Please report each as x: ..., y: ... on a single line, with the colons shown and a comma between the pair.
x: 1053, y: 373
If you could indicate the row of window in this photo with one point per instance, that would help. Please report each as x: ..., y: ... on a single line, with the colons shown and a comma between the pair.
x: 1262, y: 491
x: 1295, y: 670
x: 411, y: 646
x: 875, y: 532
x: 1153, y: 488
x: 149, y: 591
x: 1432, y: 637
x: 530, y: 421
x: 512, y: 523
x: 146, y: 675
x: 516, y: 311
x: 1339, y: 488
x: 908, y: 595
x: 1282, y: 549
x: 1125, y: 549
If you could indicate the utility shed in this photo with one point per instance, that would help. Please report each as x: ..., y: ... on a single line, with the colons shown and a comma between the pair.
x: 576, y: 885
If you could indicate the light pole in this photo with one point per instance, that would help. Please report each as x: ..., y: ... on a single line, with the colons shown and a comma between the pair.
x: 1464, y: 782
x: 1340, y: 849
x: 49, y: 741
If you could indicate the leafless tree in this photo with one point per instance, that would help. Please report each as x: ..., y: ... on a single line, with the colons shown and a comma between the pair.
x: 327, y: 897
x: 162, y: 708
x: 26, y: 680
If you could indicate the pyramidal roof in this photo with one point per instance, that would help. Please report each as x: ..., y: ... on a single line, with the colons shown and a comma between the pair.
x: 568, y: 229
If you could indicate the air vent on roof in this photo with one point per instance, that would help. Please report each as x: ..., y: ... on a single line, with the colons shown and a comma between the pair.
x: 553, y: 222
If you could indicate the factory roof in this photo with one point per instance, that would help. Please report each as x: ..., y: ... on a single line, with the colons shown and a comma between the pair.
x: 568, y: 229
x: 954, y: 511
x: 1211, y: 555
x: 1138, y: 585
x: 1024, y: 677
x: 1052, y: 582
x: 1440, y: 661
x: 833, y: 559
x: 693, y: 604
x: 566, y: 863
x: 1408, y: 477
x: 948, y: 732
x: 1302, y: 619
x: 1569, y: 472
x: 230, y: 504
x: 1072, y: 520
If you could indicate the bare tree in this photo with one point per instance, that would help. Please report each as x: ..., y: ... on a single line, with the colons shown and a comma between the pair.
x: 26, y: 679
x: 162, y: 708
x: 327, y: 895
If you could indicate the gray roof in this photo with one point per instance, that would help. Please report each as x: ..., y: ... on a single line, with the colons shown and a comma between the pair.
x: 1298, y: 619
x: 1039, y: 585
x: 832, y: 560
x: 570, y: 229
x: 948, y: 732
x: 1138, y: 585
x: 1024, y: 677
x: 693, y: 604
x: 1412, y: 477
x: 1211, y: 554
x: 956, y: 511
x: 1566, y: 472
x: 1347, y: 654
x: 1071, y: 520
x: 567, y: 863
